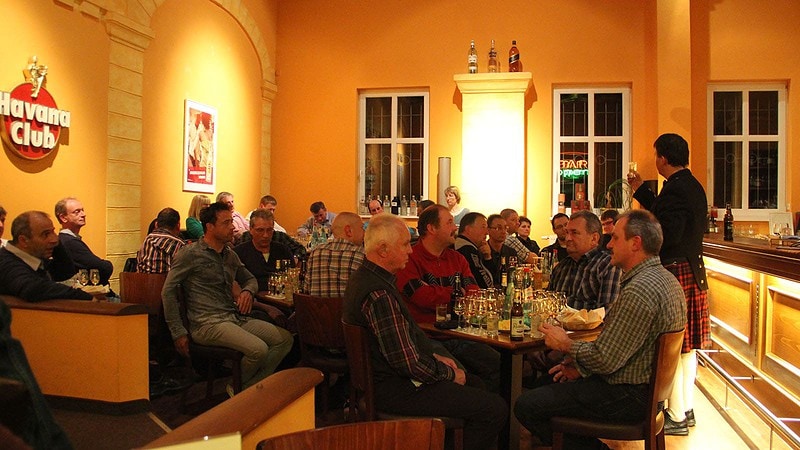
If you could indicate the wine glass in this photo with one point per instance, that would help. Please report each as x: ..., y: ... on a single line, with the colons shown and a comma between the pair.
x: 480, y: 313
x: 94, y: 277
x: 458, y: 309
x: 469, y: 311
x: 83, y: 277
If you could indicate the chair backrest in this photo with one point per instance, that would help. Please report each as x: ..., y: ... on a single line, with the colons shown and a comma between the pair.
x: 361, y: 387
x: 142, y: 288
x: 665, y: 363
x: 406, y: 434
x: 319, y: 321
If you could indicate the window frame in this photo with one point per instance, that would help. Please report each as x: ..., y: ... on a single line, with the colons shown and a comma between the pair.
x: 590, y: 139
x: 394, y: 141
x: 746, y: 213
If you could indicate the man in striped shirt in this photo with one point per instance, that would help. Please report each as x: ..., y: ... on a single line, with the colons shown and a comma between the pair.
x: 160, y: 246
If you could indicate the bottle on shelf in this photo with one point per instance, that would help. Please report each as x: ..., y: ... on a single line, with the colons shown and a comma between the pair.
x: 728, y: 223
x: 492, y: 66
x: 404, y: 206
x: 413, y: 206
x: 472, y: 58
x: 517, y: 327
x: 362, y: 207
x: 514, y: 63
x: 455, y: 295
x: 386, y: 205
x: 395, y: 206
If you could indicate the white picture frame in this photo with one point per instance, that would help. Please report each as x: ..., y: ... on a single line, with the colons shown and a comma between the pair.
x: 199, y: 148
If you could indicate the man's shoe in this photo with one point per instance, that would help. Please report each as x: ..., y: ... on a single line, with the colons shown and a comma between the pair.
x: 690, y: 418
x: 673, y: 428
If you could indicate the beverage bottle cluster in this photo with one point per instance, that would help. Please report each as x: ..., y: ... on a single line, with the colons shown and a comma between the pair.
x: 493, y: 66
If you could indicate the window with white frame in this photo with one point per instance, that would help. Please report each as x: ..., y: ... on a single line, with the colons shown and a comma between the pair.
x: 591, y: 145
x: 747, y: 148
x: 393, y: 145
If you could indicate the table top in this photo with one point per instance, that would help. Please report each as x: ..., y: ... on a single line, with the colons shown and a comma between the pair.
x: 503, y: 340
x: 274, y: 300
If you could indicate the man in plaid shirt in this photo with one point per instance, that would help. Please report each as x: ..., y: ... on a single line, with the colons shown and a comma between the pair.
x: 330, y: 265
x: 587, y: 276
x: 608, y: 378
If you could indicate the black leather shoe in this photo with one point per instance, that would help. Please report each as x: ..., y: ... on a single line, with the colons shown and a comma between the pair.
x: 673, y: 428
x: 690, y: 418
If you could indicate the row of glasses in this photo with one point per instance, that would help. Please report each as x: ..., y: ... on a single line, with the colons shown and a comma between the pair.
x: 86, y: 276
x: 482, y: 305
x: 546, y: 308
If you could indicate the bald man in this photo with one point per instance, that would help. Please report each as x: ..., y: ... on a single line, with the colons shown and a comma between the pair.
x: 330, y: 265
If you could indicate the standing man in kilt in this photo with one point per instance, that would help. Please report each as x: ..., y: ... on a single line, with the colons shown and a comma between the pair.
x: 681, y: 210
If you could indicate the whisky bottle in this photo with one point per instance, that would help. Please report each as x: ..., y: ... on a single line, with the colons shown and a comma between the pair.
x: 514, y: 63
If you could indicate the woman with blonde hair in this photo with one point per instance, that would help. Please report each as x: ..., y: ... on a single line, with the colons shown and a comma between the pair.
x: 453, y: 198
x: 194, y: 229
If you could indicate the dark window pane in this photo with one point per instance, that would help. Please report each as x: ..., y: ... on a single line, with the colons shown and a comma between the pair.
x: 763, y: 175
x: 410, y: 117
x: 764, y: 113
x: 409, y: 170
x: 574, y: 114
x: 378, y: 161
x: 727, y: 113
x: 379, y: 117
x: 574, y: 168
x: 608, y: 173
x: 728, y: 174
x: 608, y: 115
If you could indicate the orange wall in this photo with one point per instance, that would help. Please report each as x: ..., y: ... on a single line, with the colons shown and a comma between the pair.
x: 326, y: 57
x: 75, y: 49
x: 207, y: 58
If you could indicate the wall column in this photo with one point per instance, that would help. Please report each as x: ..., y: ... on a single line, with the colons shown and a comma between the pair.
x: 268, y: 92
x: 493, y: 139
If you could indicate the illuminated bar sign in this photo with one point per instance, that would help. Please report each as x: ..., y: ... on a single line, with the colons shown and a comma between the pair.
x: 574, y: 169
x: 32, y: 122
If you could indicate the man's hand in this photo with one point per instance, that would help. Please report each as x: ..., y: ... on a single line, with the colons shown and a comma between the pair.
x: 245, y: 302
x: 446, y: 361
x: 635, y: 180
x: 461, y: 377
x: 182, y: 345
x: 566, y: 371
x: 484, y: 249
x: 556, y: 338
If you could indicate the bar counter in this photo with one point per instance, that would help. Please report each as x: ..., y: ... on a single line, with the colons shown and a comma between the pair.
x: 754, y: 307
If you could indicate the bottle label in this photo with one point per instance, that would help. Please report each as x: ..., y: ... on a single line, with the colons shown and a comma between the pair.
x: 517, y: 327
x: 513, y: 58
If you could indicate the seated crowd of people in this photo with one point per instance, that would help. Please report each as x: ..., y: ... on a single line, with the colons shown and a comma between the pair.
x: 390, y: 287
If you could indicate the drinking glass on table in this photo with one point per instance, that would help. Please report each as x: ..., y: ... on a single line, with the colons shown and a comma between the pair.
x: 458, y: 309
x: 480, y: 313
x: 469, y: 310
x: 83, y: 277
x: 94, y: 277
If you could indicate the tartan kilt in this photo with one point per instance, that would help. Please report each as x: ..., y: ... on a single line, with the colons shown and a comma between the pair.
x: 698, y: 331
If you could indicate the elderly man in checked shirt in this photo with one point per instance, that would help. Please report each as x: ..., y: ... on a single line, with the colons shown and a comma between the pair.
x: 330, y: 264
x: 587, y: 275
x: 608, y: 378
x: 410, y: 379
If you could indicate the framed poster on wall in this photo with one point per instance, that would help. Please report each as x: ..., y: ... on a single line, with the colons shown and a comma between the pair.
x: 199, y: 148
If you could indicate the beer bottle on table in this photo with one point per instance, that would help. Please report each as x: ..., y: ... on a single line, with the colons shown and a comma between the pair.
x: 517, y: 327
x: 728, y: 223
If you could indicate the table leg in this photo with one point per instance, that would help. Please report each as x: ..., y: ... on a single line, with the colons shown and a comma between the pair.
x: 510, y: 389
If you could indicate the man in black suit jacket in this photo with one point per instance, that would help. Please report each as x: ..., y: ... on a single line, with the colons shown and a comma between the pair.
x: 70, y: 213
x: 25, y: 261
x: 681, y: 209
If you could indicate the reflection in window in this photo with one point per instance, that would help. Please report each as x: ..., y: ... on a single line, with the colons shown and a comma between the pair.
x: 592, y: 144
x: 748, y: 145
x: 393, y: 146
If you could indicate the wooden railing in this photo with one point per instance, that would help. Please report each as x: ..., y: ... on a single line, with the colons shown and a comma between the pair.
x: 281, y: 403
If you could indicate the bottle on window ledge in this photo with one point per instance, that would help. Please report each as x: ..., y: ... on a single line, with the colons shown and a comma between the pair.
x: 395, y: 206
x: 472, y: 58
x: 514, y: 63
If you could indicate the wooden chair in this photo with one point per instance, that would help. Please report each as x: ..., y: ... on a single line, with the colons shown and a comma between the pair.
x: 322, y: 346
x: 144, y: 289
x: 651, y: 428
x: 362, y: 391
x: 410, y: 434
x: 212, y: 354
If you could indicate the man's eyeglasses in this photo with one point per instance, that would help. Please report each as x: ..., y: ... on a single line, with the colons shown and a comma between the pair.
x: 498, y: 227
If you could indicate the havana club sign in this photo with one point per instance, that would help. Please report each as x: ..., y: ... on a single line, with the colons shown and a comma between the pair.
x: 31, y: 123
